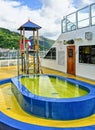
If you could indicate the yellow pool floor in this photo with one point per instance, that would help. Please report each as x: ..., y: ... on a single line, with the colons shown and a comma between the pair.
x: 10, y: 107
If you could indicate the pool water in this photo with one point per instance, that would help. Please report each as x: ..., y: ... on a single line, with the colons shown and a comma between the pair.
x: 52, y: 87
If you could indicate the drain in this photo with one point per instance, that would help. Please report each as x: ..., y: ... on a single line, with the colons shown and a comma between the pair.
x: 54, y: 93
x: 8, y: 108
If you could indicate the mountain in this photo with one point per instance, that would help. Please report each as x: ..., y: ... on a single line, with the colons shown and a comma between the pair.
x: 10, y: 39
x: 45, y: 43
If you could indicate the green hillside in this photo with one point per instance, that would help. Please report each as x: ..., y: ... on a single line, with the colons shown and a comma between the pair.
x: 45, y: 43
x: 9, y: 39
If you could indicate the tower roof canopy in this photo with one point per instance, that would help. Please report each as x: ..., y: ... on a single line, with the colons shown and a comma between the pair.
x: 29, y: 26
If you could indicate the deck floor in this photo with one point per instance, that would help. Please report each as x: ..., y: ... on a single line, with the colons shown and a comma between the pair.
x: 10, y: 107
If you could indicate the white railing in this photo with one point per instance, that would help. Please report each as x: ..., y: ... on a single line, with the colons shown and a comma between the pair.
x: 8, y: 62
x: 13, y: 59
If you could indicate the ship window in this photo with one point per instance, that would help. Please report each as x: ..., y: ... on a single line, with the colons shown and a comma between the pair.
x: 71, y: 22
x: 87, y: 54
x: 93, y: 14
x: 51, y: 54
x: 70, y: 52
x: 83, y: 17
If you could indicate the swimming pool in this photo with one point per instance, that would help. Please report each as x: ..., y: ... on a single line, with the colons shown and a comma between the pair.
x: 52, y: 87
x: 54, y: 105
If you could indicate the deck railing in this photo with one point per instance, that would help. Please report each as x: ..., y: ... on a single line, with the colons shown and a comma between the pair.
x: 82, y: 18
x: 10, y: 58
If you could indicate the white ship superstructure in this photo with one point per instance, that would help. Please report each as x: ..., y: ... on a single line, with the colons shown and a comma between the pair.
x: 74, y: 50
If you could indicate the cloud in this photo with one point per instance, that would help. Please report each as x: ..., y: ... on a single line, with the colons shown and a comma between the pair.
x: 82, y: 3
x: 53, y: 12
x: 13, y: 14
x: 86, y: 2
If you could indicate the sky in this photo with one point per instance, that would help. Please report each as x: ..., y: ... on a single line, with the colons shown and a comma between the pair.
x: 46, y: 13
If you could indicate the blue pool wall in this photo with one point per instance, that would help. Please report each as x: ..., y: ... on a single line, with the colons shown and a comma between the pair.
x: 53, y: 108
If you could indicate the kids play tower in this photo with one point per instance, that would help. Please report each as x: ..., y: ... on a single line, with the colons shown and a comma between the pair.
x: 30, y: 59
